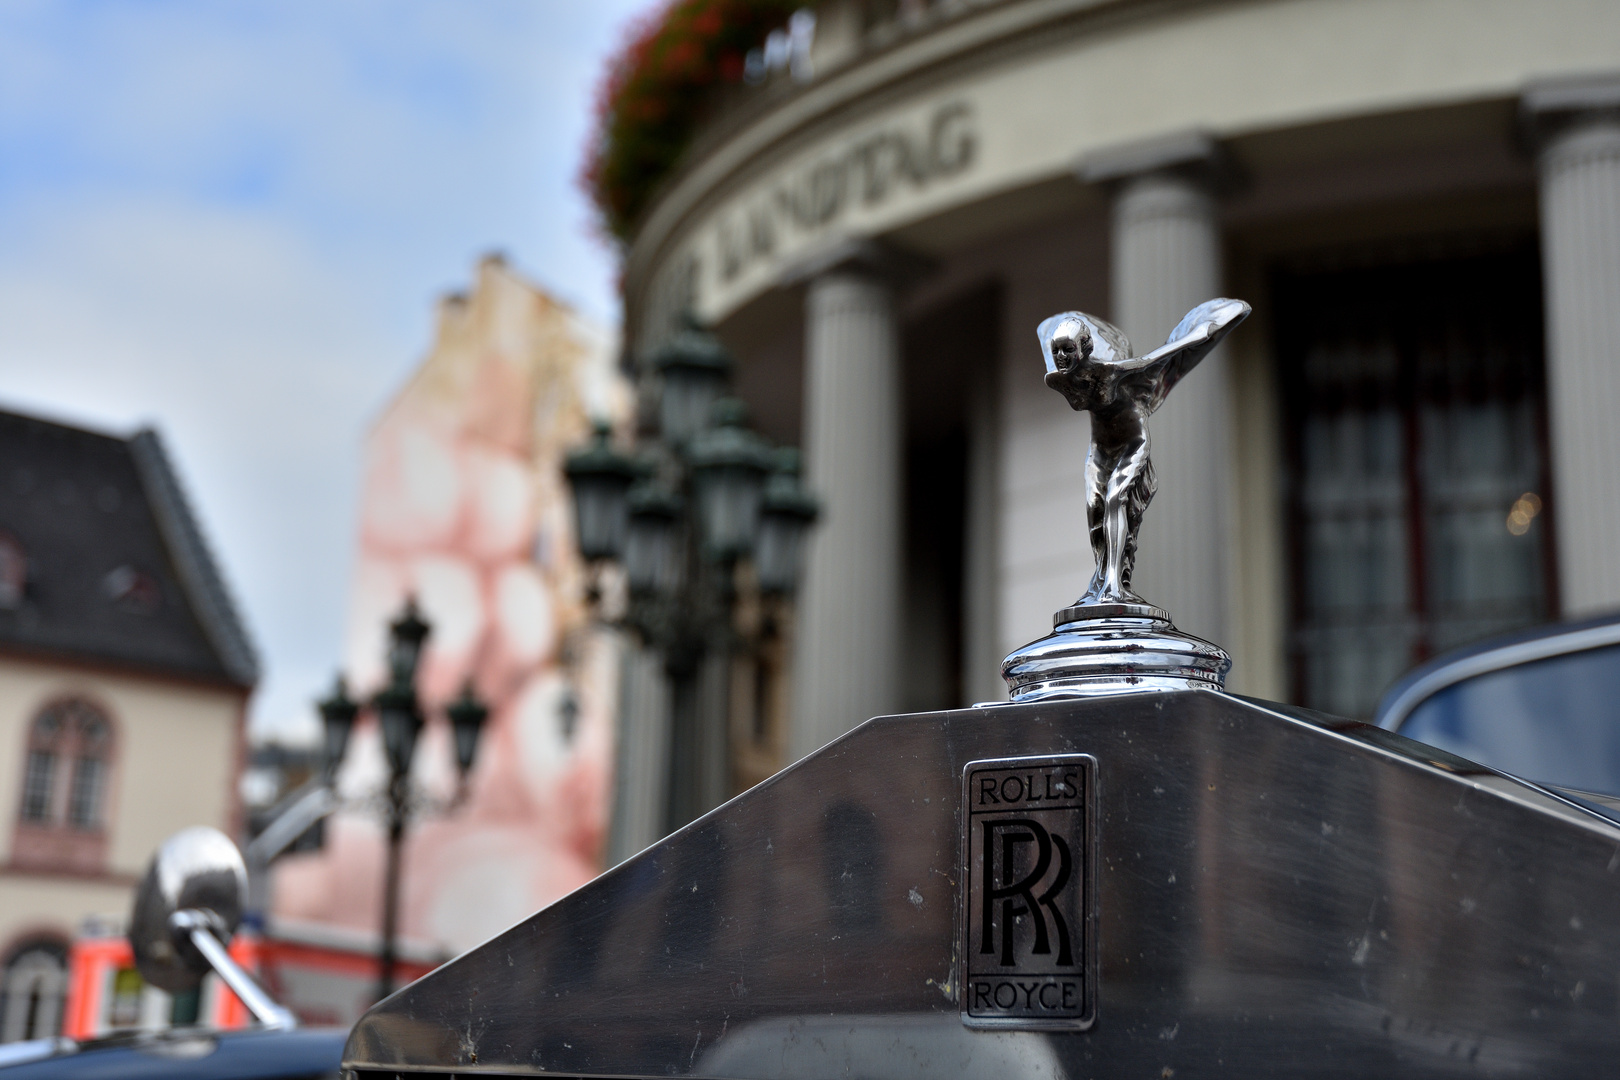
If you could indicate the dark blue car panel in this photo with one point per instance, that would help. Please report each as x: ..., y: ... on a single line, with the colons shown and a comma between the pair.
x: 305, y: 1054
x: 1555, y: 720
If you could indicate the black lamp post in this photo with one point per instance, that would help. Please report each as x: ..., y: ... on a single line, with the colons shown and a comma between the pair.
x: 400, y: 718
x: 711, y: 494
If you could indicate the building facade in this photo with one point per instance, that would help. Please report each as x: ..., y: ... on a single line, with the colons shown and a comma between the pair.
x: 124, y: 678
x: 464, y: 507
x: 1408, y: 446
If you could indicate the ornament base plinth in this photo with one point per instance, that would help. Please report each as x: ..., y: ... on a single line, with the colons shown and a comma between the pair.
x: 1101, y: 649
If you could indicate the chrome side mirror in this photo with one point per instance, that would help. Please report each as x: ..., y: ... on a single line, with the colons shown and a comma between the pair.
x: 186, y: 910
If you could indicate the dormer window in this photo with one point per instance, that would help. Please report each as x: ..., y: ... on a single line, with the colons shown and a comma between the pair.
x: 13, y: 572
x: 68, y: 764
x: 132, y: 590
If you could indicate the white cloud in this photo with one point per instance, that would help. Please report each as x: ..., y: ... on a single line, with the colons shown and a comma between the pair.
x: 230, y: 220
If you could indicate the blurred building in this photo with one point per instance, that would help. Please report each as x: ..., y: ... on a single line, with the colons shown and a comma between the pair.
x: 1409, y: 446
x: 465, y: 507
x: 124, y: 675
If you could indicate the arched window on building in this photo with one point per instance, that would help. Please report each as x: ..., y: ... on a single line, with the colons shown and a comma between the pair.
x: 32, y: 990
x: 61, y: 823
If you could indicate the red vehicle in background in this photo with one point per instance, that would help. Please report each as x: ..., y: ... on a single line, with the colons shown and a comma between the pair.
x: 325, y: 976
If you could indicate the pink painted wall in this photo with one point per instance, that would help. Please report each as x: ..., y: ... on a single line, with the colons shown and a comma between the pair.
x: 464, y: 505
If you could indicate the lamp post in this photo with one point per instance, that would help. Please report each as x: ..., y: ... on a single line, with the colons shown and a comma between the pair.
x: 702, y: 495
x: 400, y: 718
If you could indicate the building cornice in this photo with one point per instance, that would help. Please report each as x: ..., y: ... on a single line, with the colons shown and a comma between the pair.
x: 1035, y: 92
x: 725, y: 157
x: 94, y: 665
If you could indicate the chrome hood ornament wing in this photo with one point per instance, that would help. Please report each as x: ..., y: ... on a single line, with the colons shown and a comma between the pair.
x: 1111, y: 640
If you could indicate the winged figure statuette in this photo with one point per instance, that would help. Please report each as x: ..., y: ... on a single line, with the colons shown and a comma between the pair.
x: 1089, y: 362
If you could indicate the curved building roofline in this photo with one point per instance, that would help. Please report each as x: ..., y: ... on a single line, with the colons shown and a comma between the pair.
x: 205, y: 586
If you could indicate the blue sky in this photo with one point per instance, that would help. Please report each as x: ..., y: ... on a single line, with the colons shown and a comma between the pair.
x: 230, y: 220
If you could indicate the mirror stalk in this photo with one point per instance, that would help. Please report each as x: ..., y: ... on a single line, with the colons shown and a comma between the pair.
x: 198, y: 926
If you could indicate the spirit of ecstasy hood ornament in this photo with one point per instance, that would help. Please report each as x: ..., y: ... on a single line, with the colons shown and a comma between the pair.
x: 1111, y: 640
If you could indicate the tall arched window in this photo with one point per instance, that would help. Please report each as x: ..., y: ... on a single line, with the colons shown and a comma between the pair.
x: 67, y: 767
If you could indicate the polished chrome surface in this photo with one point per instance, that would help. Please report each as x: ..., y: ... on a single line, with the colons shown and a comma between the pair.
x: 1111, y: 641
x: 1089, y: 362
x: 1277, y: 894
x: 186, y: 909
x: 195, y: 868
x: 1091, y: 656
x: 202, y: 929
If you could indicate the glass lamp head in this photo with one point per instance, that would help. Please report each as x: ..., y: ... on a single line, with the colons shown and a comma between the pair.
x: 338, y: 711
x: 786, y: 514
x: 401, y: 721
x: 651, y: 555
x: 406, y: 636
x: 693, y: 368
x: 467, y: 716
x: 729, y: 464
x: 599, y: 478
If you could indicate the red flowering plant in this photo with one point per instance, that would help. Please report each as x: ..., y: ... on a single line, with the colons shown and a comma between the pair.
x: 659, y: 89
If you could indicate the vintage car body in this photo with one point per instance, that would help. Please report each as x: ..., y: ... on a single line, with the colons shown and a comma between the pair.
x: 1126, y: 872
x: 1272, y: 892
x: 182, y: 1054
x: 1539, y: 703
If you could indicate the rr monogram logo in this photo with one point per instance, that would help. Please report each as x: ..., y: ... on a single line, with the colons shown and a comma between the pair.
x: 1028, y: 958
x: 1017, y: 894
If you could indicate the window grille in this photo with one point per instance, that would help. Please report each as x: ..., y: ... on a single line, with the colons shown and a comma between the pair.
x: 37, y: 786
x: 1418, y: 488
x: 84, y: 802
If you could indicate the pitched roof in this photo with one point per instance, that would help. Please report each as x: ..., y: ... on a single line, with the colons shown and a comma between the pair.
x: 116, y: 568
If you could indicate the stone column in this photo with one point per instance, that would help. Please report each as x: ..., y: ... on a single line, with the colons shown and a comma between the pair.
x: 1166, y: 259
x: 1578, y: 124
x: 847, y: 664
x: 641, y: 781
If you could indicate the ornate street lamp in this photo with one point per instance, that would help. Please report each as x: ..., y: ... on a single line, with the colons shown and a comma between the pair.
x: 400, y: 717
x: 712, y: 495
